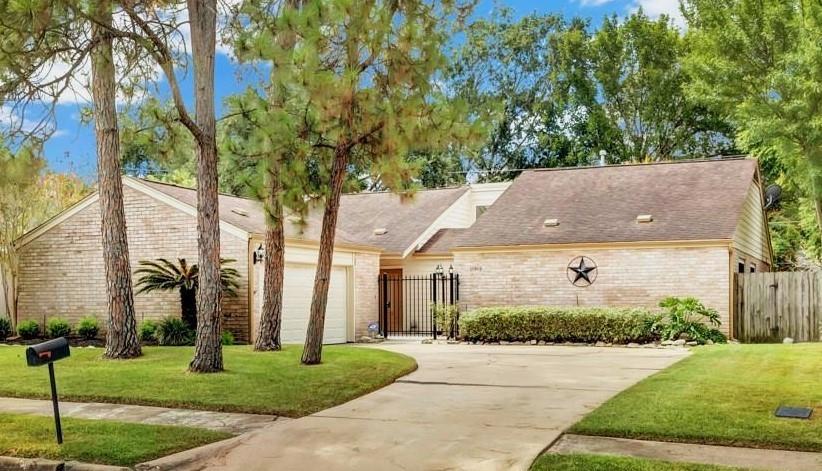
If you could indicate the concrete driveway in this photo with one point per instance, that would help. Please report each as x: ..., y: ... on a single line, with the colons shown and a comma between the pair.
x: 466, y: 408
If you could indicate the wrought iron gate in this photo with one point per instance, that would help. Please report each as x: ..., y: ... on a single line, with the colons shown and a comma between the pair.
x: 407, y: 303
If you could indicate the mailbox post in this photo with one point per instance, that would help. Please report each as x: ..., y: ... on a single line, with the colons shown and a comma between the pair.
x: 47, y: 353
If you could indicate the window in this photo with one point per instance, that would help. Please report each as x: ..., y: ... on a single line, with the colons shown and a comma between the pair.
x: 740, y: 266
x: 752, y: 268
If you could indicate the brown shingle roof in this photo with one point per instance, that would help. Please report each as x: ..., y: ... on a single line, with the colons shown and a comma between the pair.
x: 442, y: 242
x: 696, y: 200
x: 361, y: 213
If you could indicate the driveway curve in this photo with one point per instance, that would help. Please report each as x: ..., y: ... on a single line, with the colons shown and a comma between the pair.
x: 467, y: 407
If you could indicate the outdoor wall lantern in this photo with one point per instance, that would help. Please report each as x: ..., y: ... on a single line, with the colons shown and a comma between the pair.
x: 451, y: 269
x: 439, y: 269
x: 259, y: 254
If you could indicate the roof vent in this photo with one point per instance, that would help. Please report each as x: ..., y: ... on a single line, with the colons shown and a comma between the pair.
x: 551, y: 223
x: 240, y: 212
x: 642, y: 218
x: 380, y: 231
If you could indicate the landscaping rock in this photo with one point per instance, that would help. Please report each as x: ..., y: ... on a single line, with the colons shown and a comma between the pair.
x: 453, y: 342
x: 679, y: 342
x: 534, y: 342
x: 787, y: 340
x: 599, y: 344
x: 684, y: 336
x: 427, y: 341
x: 366, y: 339
x: 666, y: 343
x: 633, y: 345
x: 692, y: 343
x: 709, y: 342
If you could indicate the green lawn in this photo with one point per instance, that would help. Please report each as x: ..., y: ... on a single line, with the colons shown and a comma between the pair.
x: 723, y: 395
x: 266, y: 383
x: 96, y: 441
x: 580, y: 462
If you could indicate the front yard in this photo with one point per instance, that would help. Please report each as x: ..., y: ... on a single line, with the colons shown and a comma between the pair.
x: 722, y: 395
x: 96, y: 441
x: 263, y: 383
x: 581, y: 462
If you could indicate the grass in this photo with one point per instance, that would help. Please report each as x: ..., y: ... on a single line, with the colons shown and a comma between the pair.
x: 265, y: 383
x: 722, y: 395
x: 96, y: 441
x: 582, y: 462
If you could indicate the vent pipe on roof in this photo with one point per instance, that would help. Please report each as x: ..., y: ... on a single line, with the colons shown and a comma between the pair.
x: 643, y: 218
x: 380, y: 231
x: 551, y: 223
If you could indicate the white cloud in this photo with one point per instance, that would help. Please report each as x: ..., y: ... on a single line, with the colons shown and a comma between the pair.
x: 656, y: 8
x: 593, y: 3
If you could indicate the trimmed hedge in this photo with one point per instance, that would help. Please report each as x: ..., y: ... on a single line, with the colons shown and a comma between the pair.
x: 560, y: 324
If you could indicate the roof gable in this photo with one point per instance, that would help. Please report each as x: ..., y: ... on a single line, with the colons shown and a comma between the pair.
x: 695, y: 200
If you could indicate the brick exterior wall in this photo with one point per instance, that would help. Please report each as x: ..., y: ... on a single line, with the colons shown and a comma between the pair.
x: 626, y: 277
x: 62, y: 272
x: 366, y: 297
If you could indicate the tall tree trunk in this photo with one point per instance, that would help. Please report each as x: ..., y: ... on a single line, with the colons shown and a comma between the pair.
x: 208, y: 352
x: 268, y: 332
x: 121, y: 338
x: 312, y: 352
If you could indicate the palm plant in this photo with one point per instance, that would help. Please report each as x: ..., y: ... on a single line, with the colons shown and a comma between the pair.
x: 164, y: 275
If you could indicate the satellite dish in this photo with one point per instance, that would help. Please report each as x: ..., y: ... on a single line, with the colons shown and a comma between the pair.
x: 773, y: 194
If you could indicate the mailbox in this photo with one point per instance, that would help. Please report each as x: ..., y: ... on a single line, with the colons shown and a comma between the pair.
x: 47, y: 352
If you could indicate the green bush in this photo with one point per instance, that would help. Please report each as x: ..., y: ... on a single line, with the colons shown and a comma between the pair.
x: 227, y: 338
x: 28, y: 329
x: 559, y: 324
x: 688, y: 318
x: 172, y: 331
x: 445, y: 316
x: 147, y: 331
x: 88, y: 328
x: 56, y: 327
x: 5, y: 328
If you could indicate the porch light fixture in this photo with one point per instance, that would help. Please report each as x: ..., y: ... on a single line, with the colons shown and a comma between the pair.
x: 258, y: 255
x: 439, y: 269
x: 551, y: 223
x: 451, y: 269
x: 643, y: 218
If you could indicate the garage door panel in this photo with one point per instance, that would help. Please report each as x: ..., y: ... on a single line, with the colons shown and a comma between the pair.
x: 297, y: 293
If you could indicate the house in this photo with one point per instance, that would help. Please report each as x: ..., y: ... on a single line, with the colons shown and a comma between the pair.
x: 62, y: 271
x: 643, y: 231
x: 612, y: 235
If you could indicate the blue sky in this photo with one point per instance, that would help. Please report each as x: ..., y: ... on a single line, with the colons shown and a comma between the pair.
x: 72, y: 146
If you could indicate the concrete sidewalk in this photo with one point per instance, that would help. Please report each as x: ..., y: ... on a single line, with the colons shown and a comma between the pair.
x: 467, y: 407
x: 737, y: 457
x: 219, y: 421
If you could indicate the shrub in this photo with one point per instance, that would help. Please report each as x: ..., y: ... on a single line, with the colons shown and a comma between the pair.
x: 559, y: 324
x: 147, y: 331
x: 687, y: 317
x: 5, y: 328
x: 56, y: 327
x: 445, y: 316
x: 227, y: 338
x: 28, y: 329
x: 172, y: 331
x: 88, y: 328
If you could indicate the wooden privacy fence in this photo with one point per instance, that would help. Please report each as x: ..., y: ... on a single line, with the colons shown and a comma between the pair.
x: 775, y: 305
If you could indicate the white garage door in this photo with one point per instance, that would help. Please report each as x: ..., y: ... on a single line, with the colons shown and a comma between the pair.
x: 297, y: 292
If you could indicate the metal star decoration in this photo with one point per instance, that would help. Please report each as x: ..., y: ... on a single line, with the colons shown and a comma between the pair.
x: 582, y: 271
